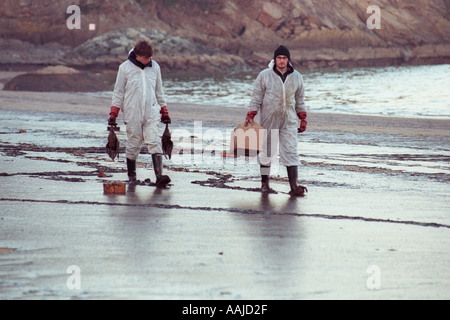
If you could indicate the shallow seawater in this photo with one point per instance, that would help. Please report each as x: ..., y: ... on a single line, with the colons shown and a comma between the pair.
x: 406, y: 91
x: 401, y: 91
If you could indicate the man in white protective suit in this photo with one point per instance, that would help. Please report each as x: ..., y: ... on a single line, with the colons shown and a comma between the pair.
x: 278, y: 95
x: 138, y: 92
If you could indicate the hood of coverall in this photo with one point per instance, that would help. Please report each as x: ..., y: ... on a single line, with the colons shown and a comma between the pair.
x: 132, y: 58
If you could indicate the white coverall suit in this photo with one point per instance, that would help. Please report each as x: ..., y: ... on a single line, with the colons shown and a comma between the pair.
x: 139, y: 94
x: 278, y: 104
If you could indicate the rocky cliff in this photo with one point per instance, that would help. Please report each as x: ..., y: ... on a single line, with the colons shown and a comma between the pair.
x: 225, y: 35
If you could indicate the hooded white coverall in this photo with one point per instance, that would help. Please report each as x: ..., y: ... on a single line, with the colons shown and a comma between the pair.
x: 139, y: 94
x: 278, y: 104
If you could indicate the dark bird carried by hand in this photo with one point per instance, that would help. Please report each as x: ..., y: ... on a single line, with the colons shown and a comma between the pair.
x: 167, y: 144
x: 113, y: 145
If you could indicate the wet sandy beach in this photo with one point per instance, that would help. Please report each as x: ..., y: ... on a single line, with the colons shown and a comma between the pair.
x: 374, y: 225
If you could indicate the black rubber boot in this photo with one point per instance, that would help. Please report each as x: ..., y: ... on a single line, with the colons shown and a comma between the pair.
x: 161, y: 180
x: 265, y: 188
x: 131, y: 167
x: 296, y: 190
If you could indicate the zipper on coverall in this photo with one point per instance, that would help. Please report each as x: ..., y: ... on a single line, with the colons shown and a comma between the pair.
x: 284, y: 97
x: 144, y: 93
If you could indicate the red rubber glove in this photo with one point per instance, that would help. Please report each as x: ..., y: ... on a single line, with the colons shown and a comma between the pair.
x: 165, y: 118
x: 303, y: 123
x: 113, y: 115
x: 250, y: 117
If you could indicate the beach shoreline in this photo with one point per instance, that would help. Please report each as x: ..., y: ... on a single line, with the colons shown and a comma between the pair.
x: 82, y: 103
x: 374, y: 224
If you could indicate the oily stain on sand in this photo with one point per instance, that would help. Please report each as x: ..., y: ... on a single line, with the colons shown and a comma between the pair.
x: 7, y: 250
x: 68, y: 176
x: 222, y: 181
x: 235, y: 210
x: 219, y: 181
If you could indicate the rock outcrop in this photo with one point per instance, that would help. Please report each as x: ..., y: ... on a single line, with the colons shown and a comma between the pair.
x: 173, y: 53
x: 58, y: 78
x: 225, y: 35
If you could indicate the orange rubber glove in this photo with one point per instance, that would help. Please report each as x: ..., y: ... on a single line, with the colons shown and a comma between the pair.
x: 250, y: 117
x: 113, y: 115
x: 165, y: 118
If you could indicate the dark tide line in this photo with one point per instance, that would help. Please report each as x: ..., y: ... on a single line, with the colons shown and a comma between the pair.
x: 241, y: 211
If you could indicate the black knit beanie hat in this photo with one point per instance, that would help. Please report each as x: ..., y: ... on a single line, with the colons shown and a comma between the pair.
x: 282, y: 51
